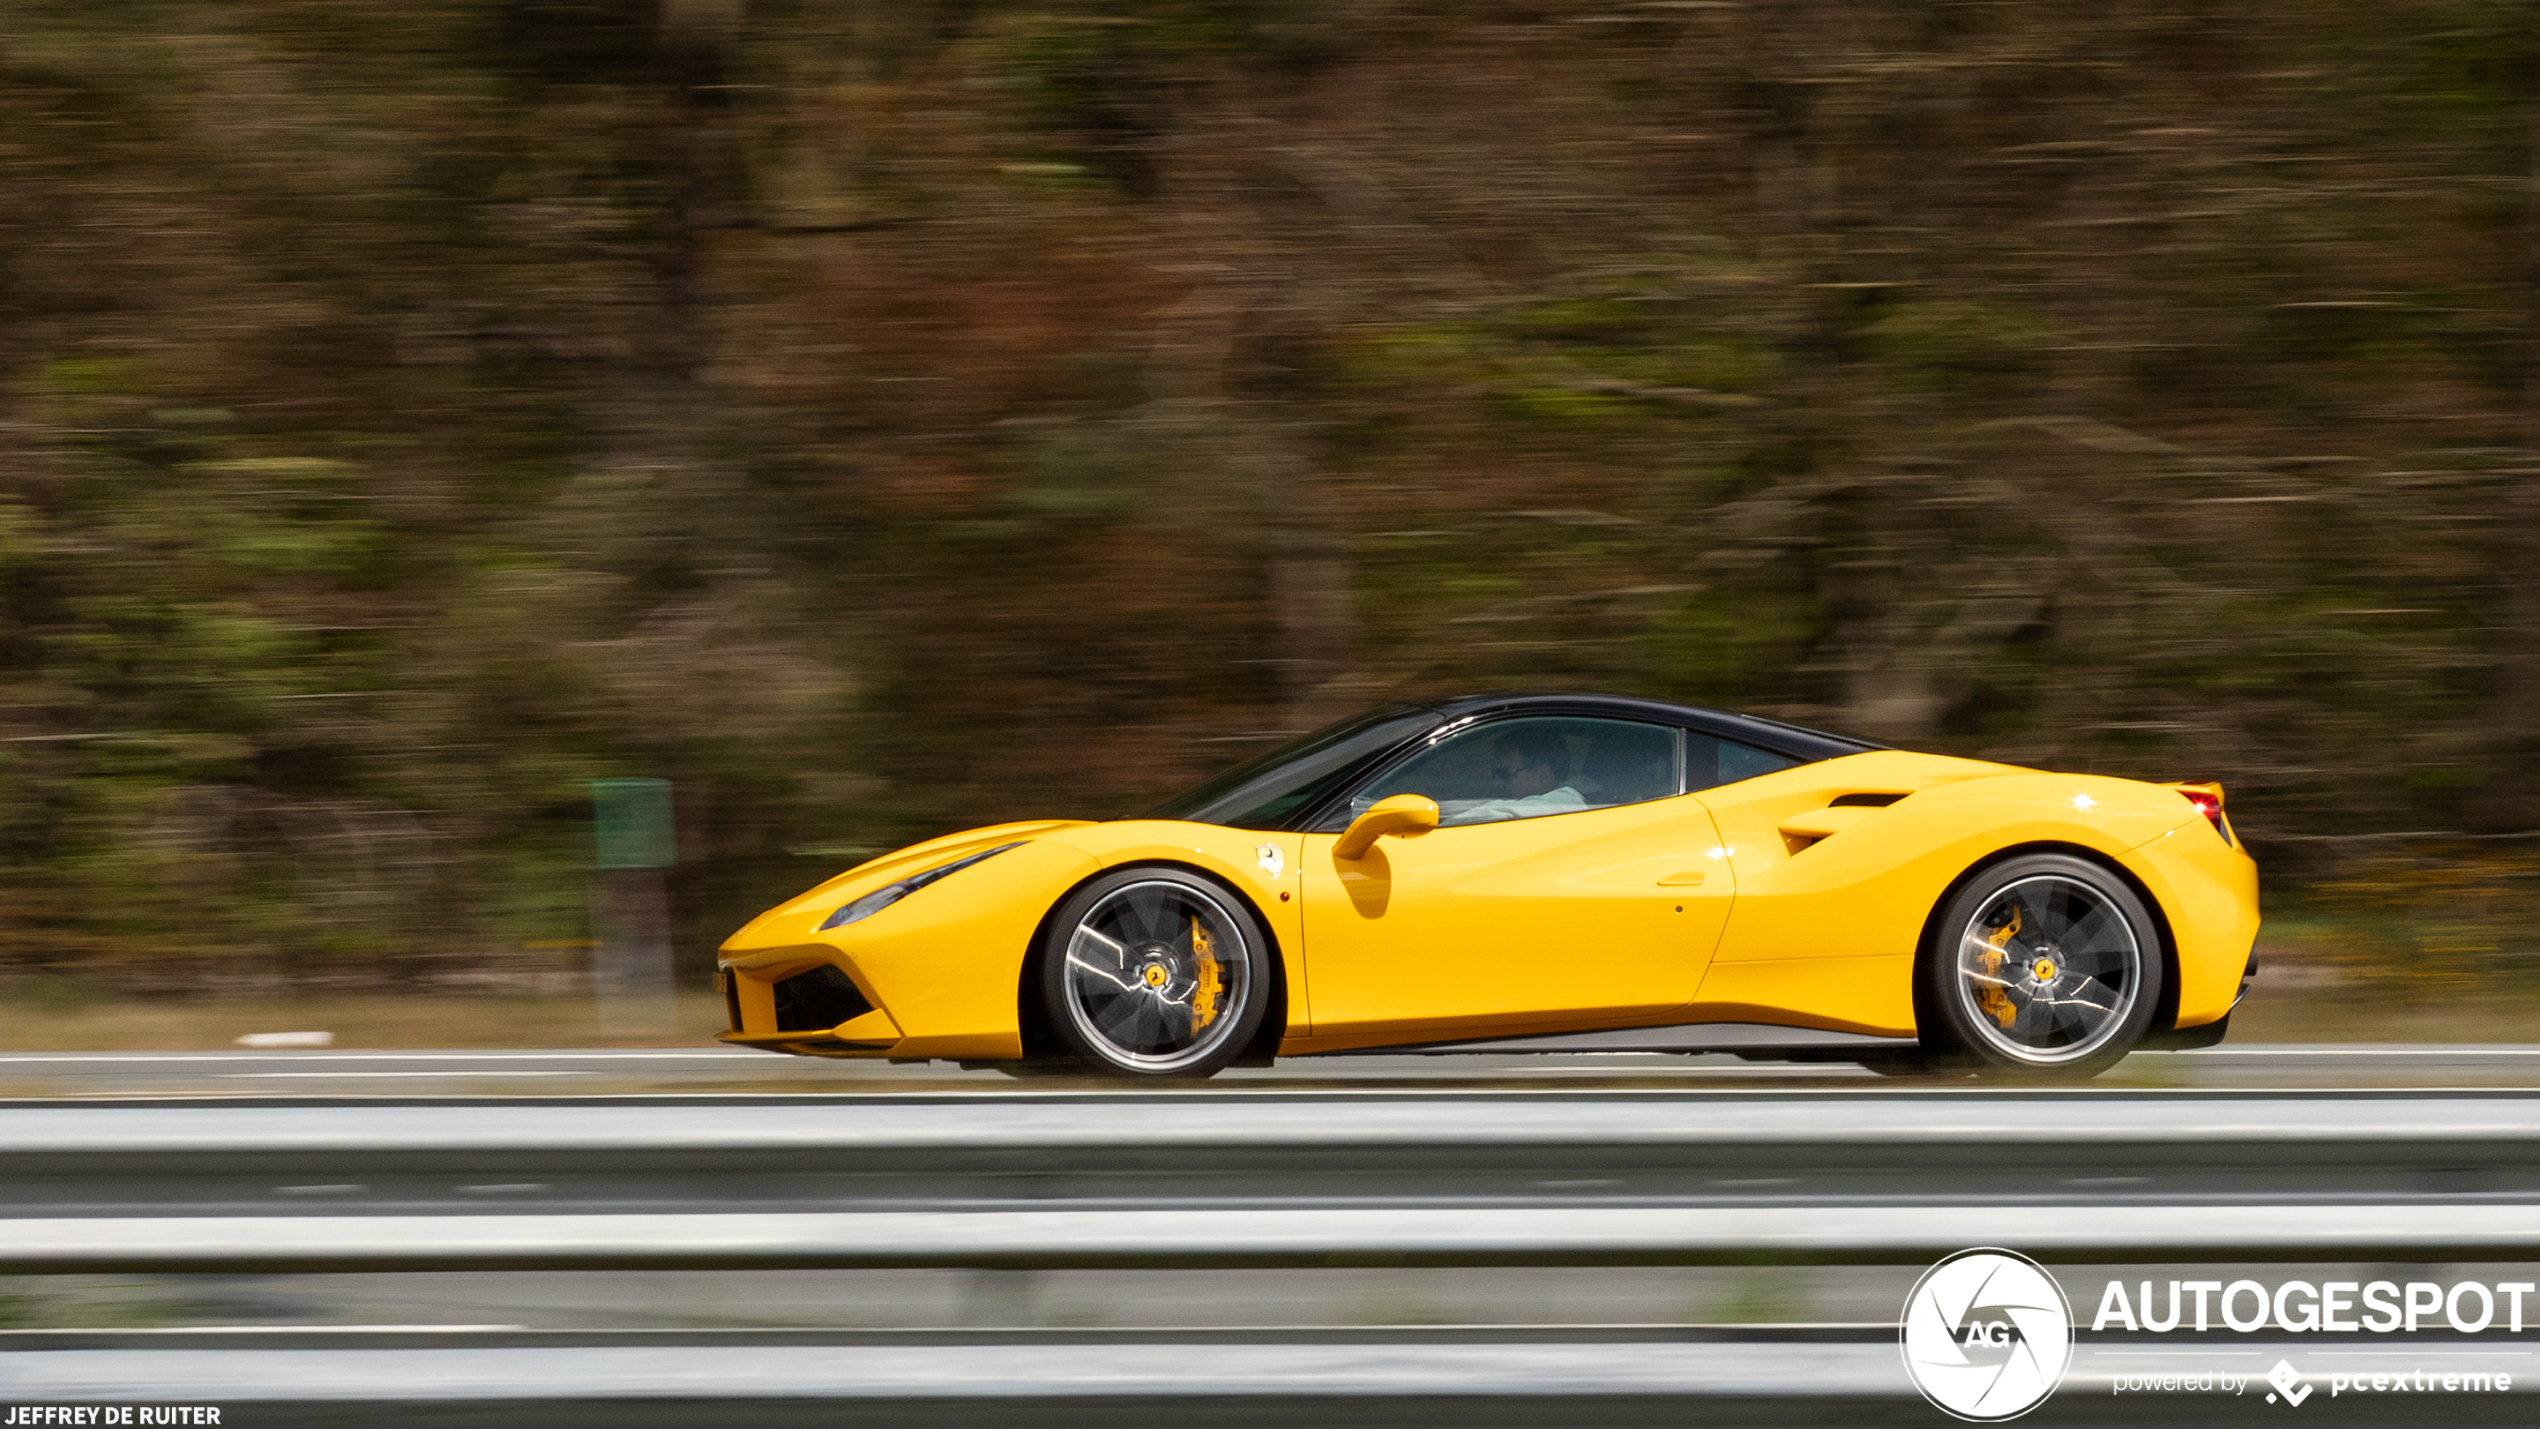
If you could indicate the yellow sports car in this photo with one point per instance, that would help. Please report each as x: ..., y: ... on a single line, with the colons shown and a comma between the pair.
x: 1534, y: 873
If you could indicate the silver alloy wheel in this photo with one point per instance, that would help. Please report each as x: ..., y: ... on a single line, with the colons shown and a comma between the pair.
x: 2048, y: 969
x: 1158, y: 975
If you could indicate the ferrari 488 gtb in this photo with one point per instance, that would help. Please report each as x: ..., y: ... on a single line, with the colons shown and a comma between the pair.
x: 1535, y: 873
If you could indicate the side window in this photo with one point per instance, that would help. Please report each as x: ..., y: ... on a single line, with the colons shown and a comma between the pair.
x: 1711, y: 762
x: 1526, y: 768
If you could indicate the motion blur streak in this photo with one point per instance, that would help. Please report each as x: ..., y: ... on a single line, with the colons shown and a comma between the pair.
x: 832, y: 425
x: 861, y: 414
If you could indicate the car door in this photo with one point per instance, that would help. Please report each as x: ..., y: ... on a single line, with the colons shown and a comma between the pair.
x: 1569, y: 881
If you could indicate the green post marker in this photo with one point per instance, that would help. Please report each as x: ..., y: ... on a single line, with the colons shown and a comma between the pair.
x: 630, y: 823
x: 633, y: 841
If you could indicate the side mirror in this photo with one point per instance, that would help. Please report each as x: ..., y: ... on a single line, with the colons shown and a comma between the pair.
x: 1405, y: 816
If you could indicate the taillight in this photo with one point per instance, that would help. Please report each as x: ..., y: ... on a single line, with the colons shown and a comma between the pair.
x: 2208, y: 799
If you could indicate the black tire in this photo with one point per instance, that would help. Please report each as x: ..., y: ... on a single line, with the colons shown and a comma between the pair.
x: 1153, y: 972
x: 2044, y: 966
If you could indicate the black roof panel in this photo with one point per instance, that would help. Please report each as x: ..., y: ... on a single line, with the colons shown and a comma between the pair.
x: 1772, y: 734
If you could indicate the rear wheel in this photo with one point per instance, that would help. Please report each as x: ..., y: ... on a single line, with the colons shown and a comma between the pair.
x: 2046, y: 965
x: 1153, y: 972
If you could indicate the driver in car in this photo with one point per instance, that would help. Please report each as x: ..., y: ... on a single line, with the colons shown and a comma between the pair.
x: 1530, y: 776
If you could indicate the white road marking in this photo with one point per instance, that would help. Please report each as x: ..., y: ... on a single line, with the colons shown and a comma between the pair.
x: 255, y: 1074
x: 2464, y: 1050
x: 121, y: 1332
x: 615, y: 1055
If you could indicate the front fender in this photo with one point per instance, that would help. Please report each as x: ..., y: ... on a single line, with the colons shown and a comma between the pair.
x: 1260, y: 866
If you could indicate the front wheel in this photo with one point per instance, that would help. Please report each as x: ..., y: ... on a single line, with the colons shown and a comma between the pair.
x: 2047, y: 964
x: 1153, y: 972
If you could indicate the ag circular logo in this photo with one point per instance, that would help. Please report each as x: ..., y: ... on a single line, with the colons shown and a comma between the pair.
x: 1987, y: 1335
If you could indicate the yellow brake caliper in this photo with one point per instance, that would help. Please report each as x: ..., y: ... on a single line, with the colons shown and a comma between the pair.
x: 1204, y: 996
x: 1989, y: 997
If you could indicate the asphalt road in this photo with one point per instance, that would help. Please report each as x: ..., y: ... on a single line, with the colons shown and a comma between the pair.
x: 726, y: 1071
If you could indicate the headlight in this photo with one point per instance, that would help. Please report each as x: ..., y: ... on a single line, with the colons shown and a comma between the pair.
x: 890, y: 893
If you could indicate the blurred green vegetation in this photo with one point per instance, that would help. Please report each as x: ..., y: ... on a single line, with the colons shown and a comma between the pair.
x: 2430, y: 922
x: 880, y: 417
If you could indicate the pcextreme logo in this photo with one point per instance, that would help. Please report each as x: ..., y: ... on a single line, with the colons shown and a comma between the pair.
x: 1987, y: 1335
x: 2288, y: 1384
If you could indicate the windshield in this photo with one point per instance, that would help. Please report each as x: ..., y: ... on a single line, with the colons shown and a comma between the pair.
x: 1267, y: 792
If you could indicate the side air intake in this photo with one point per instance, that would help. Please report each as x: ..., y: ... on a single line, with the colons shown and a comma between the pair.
x: 817, y: 1000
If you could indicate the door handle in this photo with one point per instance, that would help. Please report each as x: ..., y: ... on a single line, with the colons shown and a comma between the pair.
x: 1690, y: 878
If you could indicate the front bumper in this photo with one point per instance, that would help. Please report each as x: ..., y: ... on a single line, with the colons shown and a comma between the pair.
x: 805, y: 1001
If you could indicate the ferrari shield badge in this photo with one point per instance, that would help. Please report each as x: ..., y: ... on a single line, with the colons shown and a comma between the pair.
x: 1271, y: 862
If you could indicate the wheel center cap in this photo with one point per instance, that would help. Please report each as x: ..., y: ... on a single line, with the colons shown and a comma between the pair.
x: 2043, y: 969
x: 1155, y: 975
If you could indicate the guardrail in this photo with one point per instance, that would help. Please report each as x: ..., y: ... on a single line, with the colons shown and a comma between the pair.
x: 1140, y: 1378
x: 1208, y: 1180
x: 1553, y: 1233
x: 1092, y: 1180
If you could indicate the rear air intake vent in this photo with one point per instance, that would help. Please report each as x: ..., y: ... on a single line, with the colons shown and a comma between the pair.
x: 1863, y: 801
x: 817, y: 1000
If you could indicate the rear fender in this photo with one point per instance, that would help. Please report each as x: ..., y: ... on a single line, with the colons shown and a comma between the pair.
x: 1843, y: 909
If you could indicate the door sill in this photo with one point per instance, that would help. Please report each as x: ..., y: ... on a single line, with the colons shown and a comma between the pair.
x: 1745, y: 1039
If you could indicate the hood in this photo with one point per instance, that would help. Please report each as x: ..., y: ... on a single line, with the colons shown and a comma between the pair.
x: 919, y: 856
